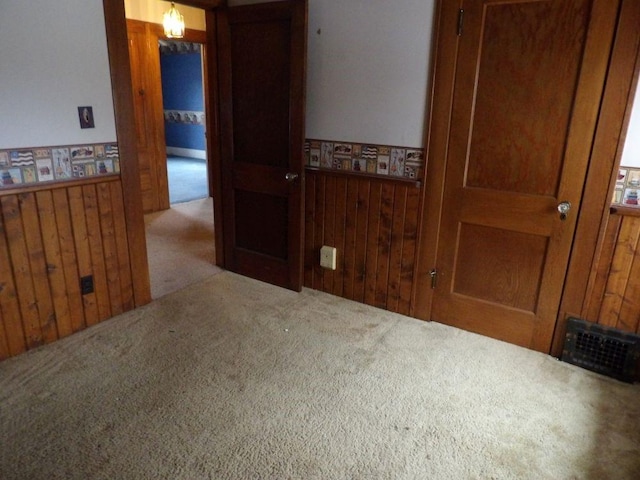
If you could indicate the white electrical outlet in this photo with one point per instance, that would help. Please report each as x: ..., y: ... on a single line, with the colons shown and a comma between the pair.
x: 328, y: 257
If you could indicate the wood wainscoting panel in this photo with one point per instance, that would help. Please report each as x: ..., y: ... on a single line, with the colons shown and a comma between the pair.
x: 148, y: 113
x: 373, y: 225
x: 613, y: 298
x: 49, y: 239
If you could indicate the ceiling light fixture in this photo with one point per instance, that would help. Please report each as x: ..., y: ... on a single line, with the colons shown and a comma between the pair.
x: 173, y: 23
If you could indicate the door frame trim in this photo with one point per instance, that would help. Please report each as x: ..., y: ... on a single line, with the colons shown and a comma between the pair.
x: 297, y: 12
x: 436, y: 134
x: 212, y: 102
x: 613, y: 119
x: 118, y: 52
x: 155, y: 32
x: 623, y: 71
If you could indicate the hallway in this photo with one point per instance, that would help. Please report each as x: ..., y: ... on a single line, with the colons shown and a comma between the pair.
x: 180, y: 246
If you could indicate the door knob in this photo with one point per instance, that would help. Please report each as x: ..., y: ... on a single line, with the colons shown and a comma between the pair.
x: 291, y: 177
x: 563, y: 209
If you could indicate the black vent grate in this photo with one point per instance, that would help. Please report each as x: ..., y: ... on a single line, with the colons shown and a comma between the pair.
x: 610, y: 354
x: 602, y: 349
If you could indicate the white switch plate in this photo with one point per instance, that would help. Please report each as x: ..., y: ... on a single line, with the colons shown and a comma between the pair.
x: 328, y: 257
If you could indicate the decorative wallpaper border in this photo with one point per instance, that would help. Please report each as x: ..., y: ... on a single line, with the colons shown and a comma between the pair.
x: 186, y: 117
x: 382, y: 160
x: 627, y: 187
x: 171, y: 47
x: 26, y: 166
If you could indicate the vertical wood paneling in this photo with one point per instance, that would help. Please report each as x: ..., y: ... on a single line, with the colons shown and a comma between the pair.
x: 122, y: 246
x: 329, y: 228
x: 629, y: 317
x: 397, y: 240
x: 55, y: 268
x: 5, y: 352
x: 83, y: 251
x: 362, y: 232
x: 614, y: 296
x: 626, y: 248
x: 600, y: 272
x: 384, y: 244
x: 373, y: 232
x: 9, y: 307
x: 350, y: 245
x: 318, y: 235
x: 373, y: 224
x: 339, y: 234
x: 94, y: 232
x: 21, y: 270
x: 35, y: 249
x: 409, y: 243
x: 309, y: 225
x: 148, y: 114
x: 110, y: 248
x: 49, y: 239
x: 69, y: 258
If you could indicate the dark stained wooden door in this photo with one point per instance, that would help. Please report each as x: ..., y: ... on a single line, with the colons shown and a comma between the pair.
x: 262, y: 51
x: 529, y: 76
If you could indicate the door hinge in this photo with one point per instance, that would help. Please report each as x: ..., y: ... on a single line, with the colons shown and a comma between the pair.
x: 460, y: 21
x: 434, y: 278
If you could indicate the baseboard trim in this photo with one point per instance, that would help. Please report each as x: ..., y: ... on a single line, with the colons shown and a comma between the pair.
x: 187, y: 152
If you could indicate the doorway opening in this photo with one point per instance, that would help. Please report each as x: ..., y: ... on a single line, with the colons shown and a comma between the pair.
x: 170, y: 118
x: 181, y: 240
x: 627, y: 185
x: 182, y: 77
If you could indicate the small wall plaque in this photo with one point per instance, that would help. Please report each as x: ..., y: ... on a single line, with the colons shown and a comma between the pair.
x: 86, y: 117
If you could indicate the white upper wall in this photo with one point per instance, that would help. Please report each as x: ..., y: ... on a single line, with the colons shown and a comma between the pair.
x: 53, y: 59
x: 368, y: 63
x: 367, y: 66
x: 631, y: 152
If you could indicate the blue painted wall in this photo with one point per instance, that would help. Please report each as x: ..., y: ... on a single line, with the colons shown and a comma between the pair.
x: 182, y: 90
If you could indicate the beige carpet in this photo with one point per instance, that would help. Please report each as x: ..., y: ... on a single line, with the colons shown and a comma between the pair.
x: 180, y: 246
x: 235, y: 379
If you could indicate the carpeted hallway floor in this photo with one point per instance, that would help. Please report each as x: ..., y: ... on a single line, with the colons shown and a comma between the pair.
x: 180, y: 246
x: 231, y: 378
x: 187, y: 179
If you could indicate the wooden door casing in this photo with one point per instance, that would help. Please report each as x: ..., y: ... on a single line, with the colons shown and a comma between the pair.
x: 526, y: 76
x: 261, y: 78
x: 592, y: 245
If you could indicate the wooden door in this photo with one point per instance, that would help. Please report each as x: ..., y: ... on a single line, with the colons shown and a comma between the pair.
x: 529, y: 76
x: 149, y: 117
x: 261, y: 80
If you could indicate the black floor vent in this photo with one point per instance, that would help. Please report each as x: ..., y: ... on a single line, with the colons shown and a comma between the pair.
x: 602, y: 349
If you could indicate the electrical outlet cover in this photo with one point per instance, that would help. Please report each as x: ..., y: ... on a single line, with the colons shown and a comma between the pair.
x: 328, y: 257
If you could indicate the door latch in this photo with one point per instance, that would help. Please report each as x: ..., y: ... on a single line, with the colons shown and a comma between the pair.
x: 434, y: 278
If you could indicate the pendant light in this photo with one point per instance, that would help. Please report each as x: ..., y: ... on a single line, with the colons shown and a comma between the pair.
x: 173, y: 23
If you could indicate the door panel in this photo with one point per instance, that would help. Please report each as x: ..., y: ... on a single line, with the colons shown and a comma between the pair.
x: 262, y: 76
x: 505, y: 267
x: 257, y: 209
x: 525, y: 75
x: 260, y: 71
x: 546, y: 35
